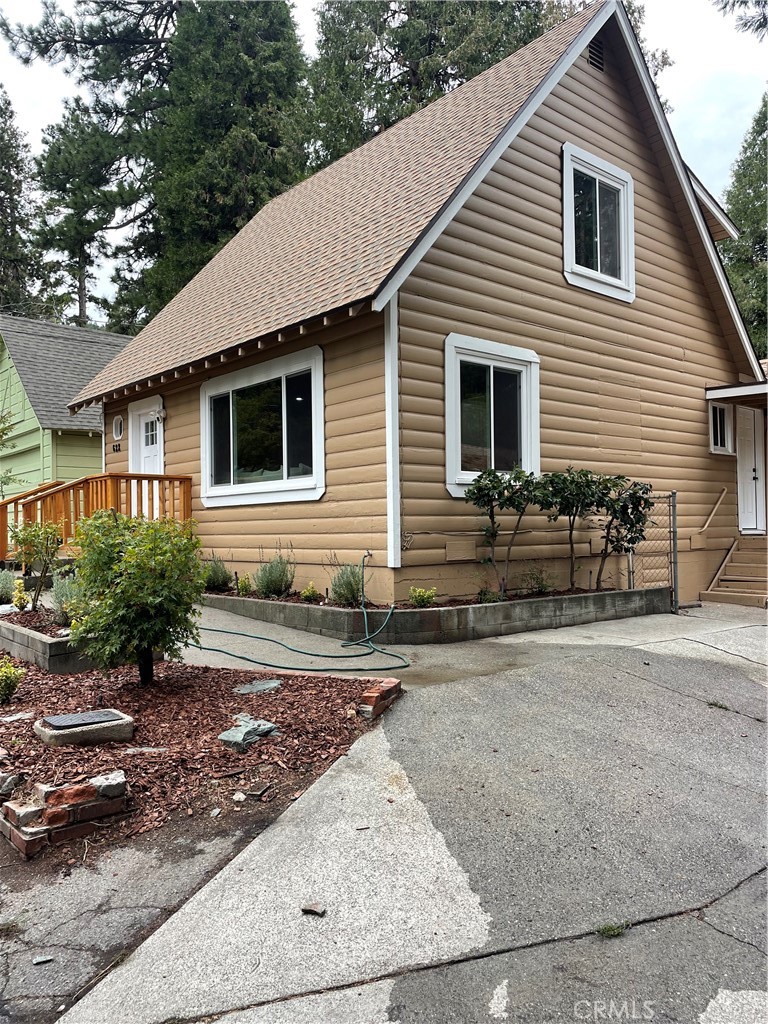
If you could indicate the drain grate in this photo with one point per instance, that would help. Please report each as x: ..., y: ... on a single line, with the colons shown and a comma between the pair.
x: 80, y: 719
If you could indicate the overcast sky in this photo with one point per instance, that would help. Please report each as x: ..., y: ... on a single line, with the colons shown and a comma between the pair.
x: 714, y: 87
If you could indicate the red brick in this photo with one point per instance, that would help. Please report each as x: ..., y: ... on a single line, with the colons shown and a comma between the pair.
x: 373, y: 711
x: 55, y: 816
x: 20, y: 814
x: 371, y: 697
x: 77, y: 831
x: 28, y: 841
x: 81, y: 794
x: 99, y: 809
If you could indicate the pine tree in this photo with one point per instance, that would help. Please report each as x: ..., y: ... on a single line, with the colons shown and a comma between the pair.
x: 752, y: 15
x: 746, y: 259
x: 17, y: 263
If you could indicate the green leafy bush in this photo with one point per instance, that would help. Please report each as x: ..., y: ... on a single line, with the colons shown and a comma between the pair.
x: 138, y: 583
x: 10, y: 677
x: 311, y: 594
x: 347, y: 585
x: 623, y: 511
x: 218, y: 578
x: 244, y: 585
x: 7, y: 580
x: 63, y: 593
x: 275, y: 578
x: 536, y: 580
x: 37, y: 546
x: 574, y: 494
x: 421, y: 598
x: 487, y: 596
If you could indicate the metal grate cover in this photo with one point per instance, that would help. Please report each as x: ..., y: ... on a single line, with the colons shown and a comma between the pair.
x: 81, y: 718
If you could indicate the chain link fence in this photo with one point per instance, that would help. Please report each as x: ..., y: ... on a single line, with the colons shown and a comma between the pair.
x: 654, y: 562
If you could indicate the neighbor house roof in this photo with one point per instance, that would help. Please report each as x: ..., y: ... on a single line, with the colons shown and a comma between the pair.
x: 56, y: 362
x: 334, y: 238
x: 352, y: 231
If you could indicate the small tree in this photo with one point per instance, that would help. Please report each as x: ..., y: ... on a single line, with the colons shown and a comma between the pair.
x: 138, y: 583
x: 495, y: 493
x: 37, y: 547
x: 575, y: 494
x: 624, y: 507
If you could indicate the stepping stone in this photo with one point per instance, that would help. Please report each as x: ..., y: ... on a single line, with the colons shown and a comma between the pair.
x: 57, y: 730
x: 247, y: 731
x: 259, y: 686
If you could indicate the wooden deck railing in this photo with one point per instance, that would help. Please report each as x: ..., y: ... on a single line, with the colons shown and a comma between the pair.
x: 133, y: 494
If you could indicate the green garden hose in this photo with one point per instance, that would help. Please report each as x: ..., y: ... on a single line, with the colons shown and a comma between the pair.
x: 366, y: 642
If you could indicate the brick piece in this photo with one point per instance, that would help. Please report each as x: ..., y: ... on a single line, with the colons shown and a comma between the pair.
x: 371, y: 712
x: 76, y: 831
x: 20, y: 814
x: 110, y: 785
x: 41, y: 791
x: 55, y: 816
x: 80, y: 794
x: 99, y: 809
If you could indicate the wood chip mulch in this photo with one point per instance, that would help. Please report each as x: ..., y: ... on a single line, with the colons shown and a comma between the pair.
x: 41, y: 621
x: 184, y: 711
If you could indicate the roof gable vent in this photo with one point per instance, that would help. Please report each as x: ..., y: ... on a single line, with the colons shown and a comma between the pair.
x: 596, y: 54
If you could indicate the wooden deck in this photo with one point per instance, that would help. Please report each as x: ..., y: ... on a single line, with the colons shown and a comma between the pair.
x: 133, y: 494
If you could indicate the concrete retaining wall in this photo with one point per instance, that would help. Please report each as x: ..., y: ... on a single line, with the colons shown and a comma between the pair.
x: 450, y: 625
x: 45, y: 651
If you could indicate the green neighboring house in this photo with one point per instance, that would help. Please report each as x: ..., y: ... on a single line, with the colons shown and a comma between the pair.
x: 42, y: 367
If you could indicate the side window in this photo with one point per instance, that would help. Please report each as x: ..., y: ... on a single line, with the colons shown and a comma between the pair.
x: 721, y: 440
x: 491, y: 409
x: 598, y: 225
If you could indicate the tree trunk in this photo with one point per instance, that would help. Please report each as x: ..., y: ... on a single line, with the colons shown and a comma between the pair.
x: 146, y: 665
x: 82, y: 293
x: 571, y: 527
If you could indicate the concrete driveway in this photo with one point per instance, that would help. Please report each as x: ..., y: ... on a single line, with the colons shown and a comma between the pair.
x: 565, y: 826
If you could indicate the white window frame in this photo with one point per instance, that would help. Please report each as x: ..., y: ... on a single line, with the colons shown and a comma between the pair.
x: 524, y: 361
x: 305, y: 488
x: 730, y: 439
x: 582, y: 277
x: 118, y: 426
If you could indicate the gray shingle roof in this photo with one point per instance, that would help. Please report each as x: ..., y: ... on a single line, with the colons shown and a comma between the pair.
x: 55, y: 363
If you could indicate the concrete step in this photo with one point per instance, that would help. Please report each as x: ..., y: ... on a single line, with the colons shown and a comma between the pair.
x: 734, y: 597
x: 739, y: 583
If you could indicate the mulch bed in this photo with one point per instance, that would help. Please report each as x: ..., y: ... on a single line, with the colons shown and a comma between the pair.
x: 184, y: 711
x: 41, y: 621
x: 449, y: 602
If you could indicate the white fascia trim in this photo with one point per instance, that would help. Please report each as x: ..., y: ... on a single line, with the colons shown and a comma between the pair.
x: 582, y: 277
x: 685, y: 183
x: 737, y: 391
x: 392, y: 421
x: 707, y: 199
x: 529, y: 108
x: 152, y: 404
x: 495, y: 353
x: 271, y: 491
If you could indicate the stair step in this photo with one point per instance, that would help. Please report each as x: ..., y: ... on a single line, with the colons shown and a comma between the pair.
x: 757, y: 543
x: 734, y: 597
x: 748, y: 558
x: 729, y: 583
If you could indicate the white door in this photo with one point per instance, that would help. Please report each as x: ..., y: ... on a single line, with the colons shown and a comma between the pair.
x: 750, y: 459
x: 145, y: 454
x: 149, y: 443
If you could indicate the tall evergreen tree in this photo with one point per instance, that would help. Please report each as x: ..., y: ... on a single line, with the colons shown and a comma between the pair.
x: 17, y: 263
x: 751, y: 15
x: 746, y: 259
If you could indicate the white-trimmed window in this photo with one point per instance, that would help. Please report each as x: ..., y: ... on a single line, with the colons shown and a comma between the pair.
x: 598, y: 225
x: 117, y: 428
x: 721, y: 429
x: 263, y: 433
x: 491, y: 409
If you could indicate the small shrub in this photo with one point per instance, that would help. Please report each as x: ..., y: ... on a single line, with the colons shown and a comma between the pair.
x: 7, y: 582
x: 347, y: 585
x: 10, y: 677
x: 536, y: 580
x: 421, y: 598
x: 20, y: 596
x: 218, y: 578
x: 487, y: 596
x: 63, y: 593
x: 244, y: 585
x: 275, y: 578
x: 311, y: 594
x: 37, y: 546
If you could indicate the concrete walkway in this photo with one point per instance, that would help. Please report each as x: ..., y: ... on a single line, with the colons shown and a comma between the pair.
x: 470, y: 849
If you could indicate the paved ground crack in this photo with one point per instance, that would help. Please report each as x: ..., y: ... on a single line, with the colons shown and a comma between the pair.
x: 730, y: 935
x: 486, y: 954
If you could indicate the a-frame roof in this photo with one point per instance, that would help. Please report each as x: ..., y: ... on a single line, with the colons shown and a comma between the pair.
x: 54, y: 362
x: 354, y: 230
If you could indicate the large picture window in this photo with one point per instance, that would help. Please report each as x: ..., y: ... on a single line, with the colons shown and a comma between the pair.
x: 262, y: 432
x: 598, y: 225
x: 492, y: 409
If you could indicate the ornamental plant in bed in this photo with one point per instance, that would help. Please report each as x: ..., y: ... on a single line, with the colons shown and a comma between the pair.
x: 138, y: 583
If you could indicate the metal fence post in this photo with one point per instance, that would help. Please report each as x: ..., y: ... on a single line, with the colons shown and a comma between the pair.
x: 673, y: 538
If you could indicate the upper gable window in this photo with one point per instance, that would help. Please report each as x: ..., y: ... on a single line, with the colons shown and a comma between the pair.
x: 598, y: 225
x: 262, y: 433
